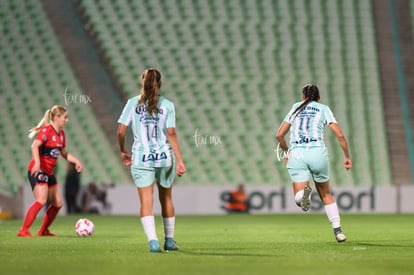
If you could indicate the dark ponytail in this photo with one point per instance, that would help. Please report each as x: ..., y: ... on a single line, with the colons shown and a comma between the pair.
x: 151, y: 84
x: 310, y: 93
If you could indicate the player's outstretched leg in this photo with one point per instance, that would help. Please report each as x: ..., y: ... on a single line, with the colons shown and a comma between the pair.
x: 48, y: 219
x: 305, y: 201
x: 29, y: 219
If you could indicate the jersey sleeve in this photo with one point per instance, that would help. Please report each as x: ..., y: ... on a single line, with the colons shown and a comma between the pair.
x: 126, y: 115
x: 170, y: 122
x: 330, y: 118
x: 42, y: 135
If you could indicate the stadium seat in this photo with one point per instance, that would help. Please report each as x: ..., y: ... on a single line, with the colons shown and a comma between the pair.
x: 36, y: 77
x: 232, y: 68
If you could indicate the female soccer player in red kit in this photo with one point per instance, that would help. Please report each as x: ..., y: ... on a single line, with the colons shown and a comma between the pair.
x: 49, y: 144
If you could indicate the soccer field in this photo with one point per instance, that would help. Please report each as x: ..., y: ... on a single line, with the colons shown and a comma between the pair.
x: 233, y: 244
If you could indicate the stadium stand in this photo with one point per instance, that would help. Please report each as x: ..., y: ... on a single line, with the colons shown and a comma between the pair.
x: 234, y: 68
x: 36, y: 75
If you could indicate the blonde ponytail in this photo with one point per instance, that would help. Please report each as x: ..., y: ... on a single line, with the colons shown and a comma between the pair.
x: 56, y: 110
x: 45, y: 120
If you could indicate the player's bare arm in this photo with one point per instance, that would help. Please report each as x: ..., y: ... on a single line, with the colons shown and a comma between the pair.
x: 72, y: 159
x: 172, y: 138
x: 35, y: 153
x: 125, y: 157
x: 283, y: 130
x: 343, y: 143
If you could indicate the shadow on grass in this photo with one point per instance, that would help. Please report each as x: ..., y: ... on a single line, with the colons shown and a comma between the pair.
x: 385, y: 244
x: 228, y: 254
x: 376, y: 243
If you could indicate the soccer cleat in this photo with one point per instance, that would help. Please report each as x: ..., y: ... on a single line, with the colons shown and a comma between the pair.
x: 170, y: 245
x: 154, y: 246
x: 24, y: 233
x: 340, y: 237
x: 46, y: 233
x: 305, y: 201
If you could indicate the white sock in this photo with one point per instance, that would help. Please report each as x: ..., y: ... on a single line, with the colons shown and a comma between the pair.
x: 169, y: 224
x: 298, y: 196
x: 333, y: 215
x: 148, y: 223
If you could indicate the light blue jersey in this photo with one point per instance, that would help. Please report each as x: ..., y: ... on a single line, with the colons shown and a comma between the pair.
x: 151, y: 147
x: 307, y: 126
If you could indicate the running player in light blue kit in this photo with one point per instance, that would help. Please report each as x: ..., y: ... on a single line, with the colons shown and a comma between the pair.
x: 155, y: 155
x: 307, y: 155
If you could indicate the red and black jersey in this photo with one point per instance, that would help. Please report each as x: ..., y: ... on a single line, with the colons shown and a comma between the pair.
x: 49, y: 151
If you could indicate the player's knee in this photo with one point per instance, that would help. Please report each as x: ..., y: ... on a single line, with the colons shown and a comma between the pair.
x: 58, y: 204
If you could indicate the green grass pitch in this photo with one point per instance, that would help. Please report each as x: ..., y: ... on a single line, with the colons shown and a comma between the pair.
x: 229, y: 244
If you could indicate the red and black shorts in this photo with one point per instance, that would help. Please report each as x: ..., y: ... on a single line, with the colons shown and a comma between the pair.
x: 42, y: 178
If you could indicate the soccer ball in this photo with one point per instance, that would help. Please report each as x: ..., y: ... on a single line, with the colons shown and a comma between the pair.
x: 84, y: 228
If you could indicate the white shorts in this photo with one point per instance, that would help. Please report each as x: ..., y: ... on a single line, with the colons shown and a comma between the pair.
x: 146, y: 176
x: 305, y: 163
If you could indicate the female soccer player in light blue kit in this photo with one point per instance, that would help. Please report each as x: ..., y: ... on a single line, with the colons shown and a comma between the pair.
x: 307, y: 155
x: 155, y: 155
